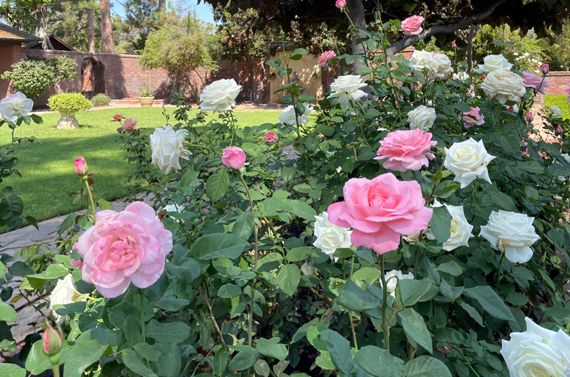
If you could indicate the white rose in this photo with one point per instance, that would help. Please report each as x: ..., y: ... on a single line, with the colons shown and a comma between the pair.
x: 504, y: 86
x: 64, y: 293
x: 441, y: 66
x: 392, y: 278
x: 537, y: 352
x: 220, y: 95
x: 167, y: 148
x: 347, y: 88
x: 14, y: 106
x: 468, y: 160
x: 422, y: 118
x: 460, y: 228
x: 556, y: 112
x: 494, y: 63
x: 511, y: 233
x: 288, y: 115
x: 462, y: 76
x: 329, y: 236
x: 421, y: 60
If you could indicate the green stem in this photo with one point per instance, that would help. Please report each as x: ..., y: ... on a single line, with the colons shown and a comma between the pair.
x: 56, y: 371
x: 143, y: 324
x: 233, y: 126
x: 499, y: 271
x: 90, y: 197
x: 385, y: 324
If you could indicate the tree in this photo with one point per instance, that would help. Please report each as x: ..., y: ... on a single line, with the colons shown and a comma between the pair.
x: 106, y: 30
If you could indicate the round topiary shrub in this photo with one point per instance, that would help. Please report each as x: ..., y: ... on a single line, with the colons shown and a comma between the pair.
x: 68, y: 104
x: 101, y: 100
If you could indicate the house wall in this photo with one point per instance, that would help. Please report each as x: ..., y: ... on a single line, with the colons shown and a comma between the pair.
x: 8, y: 56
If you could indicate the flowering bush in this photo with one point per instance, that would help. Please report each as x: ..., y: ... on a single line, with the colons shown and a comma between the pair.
x: 69, y: 102
x: 368, y: 247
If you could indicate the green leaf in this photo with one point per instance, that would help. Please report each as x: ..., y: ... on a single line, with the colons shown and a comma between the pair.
x: 188, y: 178
x: 299, y: 253
x: 262, y: 368
x: 103, y: 205
x: 365, y: 275
x: 188, y: 270
x: 412, y: 291
x: 243, y: 228
x: 440, y: 224
x: 81, y: 356
x: 229, y: 291
x: 287, y: 173
x: 11, y: 370
x: 221, y: 361
x: 269, y: 262
x: 377, y: 362
x: 298, y: 54
x: 288, y: 278
x: 147, y: 351
x: 301, y: 209
x: 339, y: 349
x: 415, y: 328
x: 311, y: 143
x: 171, y: 303
x: 490, y: 302
x: 175, y: 332
x: 37, y: 361
x: 473, y: 313
x: 244, y: 359
x: 218, y: 245
x: 272, y: 348
x: 352, y: 297
x: 169, y: 363
x: 7, y: 313
x: 217, y: 184
x: 426, y: 366
x: 132, y: 361
x: 53, y: 271
x: 451, y: 268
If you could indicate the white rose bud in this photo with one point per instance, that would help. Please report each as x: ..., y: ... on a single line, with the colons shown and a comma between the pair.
x: 167, y: 148
x: 504, y: 86
x: 511, y: 233
x: 460, y: 230
x: 441, y: 66
x: 422, y: 118
x: 347, y: 88
x: 421, y: 60
x: 462, y: 76
x: 537, y: 352
x: 288, y: 115
x: 220, y: 95
x: 14, y: 106
x: 392, y: 278
x: 329, y: 236
x: 494, y: 63
x: 64, y: 293
x: 468, y: 160
x: 556, y: 112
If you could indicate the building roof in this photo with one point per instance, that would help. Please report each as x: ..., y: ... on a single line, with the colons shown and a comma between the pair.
x: 57, y: 43
x: 11, y: 36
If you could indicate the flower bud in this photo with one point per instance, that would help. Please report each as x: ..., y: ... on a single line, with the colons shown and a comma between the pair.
x: 52, y: 342
x: 529, y: 116
x: 545, y: 68
x: 340, y: 4
x: 81, y: 167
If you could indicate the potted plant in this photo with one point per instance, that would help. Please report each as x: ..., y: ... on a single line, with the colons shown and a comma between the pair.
x: 146, y: 97
x: 68, y: 104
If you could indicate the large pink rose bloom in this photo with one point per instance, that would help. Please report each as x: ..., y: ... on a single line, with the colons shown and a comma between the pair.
x: 412, y: 25
x: 233, y: 157
x: 530, y: 80
x: 406, y: 150
x: 473, y: 118
x: 379, y: 210
x: 122, y: 247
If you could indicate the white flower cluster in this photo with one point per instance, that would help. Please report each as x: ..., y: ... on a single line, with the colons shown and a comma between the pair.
x: 500, y: 83
x: 347, y: 88
x: 64, y: 293
x: 422, y: 117
x: 460, y: 230
x: 436, y: 65
x: 167, y: 148
x: 329, y: 236
x: 288, y: 115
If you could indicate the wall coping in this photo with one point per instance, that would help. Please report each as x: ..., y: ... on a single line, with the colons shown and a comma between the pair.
x: 558, y: 73
x: 83, y: 53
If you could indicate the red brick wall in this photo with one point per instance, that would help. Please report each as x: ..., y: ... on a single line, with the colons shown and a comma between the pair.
x: 8, y: 56
x: 558, y: 81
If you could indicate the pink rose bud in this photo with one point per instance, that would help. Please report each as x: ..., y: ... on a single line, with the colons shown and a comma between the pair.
x: 559, y: 129
x: 207, y: 209
x: 511, y: 109
x: 118, y: 117
x: 545, y: 68
x: 529, y: 116
x: 52, y: 342
x: 129, y: 124
x: 270, y: 137
x: 412, y: 25
x: 453, y: 44
x: 233, y: 157
x: 340, y: 4
x: 81, y: 167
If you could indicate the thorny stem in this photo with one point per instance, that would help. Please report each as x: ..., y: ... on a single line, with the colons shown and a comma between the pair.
x: 143, y: 325
x: 350, y: 313
x: 90, y: 197
x: 213, y: 318
x: 499, y: 271
x: 233, y: 126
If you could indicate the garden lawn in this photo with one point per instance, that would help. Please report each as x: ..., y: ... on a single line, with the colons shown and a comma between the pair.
x: 560, y: 101
x: 48, y: 173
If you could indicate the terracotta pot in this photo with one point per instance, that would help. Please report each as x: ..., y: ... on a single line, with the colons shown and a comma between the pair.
x: 67, y: 121
x: 146, y: 101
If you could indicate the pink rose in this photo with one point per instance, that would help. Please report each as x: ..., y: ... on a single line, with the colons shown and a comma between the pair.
x: 129, y: 124
x: 326, y: 58
x: 453, y: 44
x: 530, y: 80
x: 559, y: 129
x: 529, y: 116
x: 473, y: 118
x: 525, y: 153
x: 340, y: 4
x: 118, y: 117
x: 270, y: 137
x: 379, y: 210
x: 233, y: 157
x: 545, y: 68
x: 412, y: 25
x: 81, y: 167
x: 406, y: 150
x: 122, y: 247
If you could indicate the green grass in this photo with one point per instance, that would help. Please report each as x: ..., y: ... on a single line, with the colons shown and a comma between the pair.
x: 560, y: 101
x: 48, y: 173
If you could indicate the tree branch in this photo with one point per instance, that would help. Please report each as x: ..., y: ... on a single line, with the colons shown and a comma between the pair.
x: 441, y: 29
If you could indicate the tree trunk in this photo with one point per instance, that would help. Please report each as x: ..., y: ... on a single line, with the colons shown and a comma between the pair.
x: 106, y: 30
x: 41, y: 28
x: 90, y: 31
x: 471, y: 37
x: 161, y: 4
x: 355, y: 10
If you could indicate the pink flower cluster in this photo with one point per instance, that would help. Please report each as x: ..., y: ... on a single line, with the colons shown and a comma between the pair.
x: 270, y: 137
x: 406, y: 150
x: 473, y: 118
x: 233, y: 157
x: 129, y: 124
x: 530, y: 80
x: 412, y: 25
x: 124, y: 247
x: 326, y: 57
x: 379, y: 210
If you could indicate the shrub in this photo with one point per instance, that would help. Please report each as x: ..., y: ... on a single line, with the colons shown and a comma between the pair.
x: 146, y: 91
x: 560, y: 101
x: 34, y: 77
x: 101, y: 100
x: 69, y: 102
x: 556, y: 47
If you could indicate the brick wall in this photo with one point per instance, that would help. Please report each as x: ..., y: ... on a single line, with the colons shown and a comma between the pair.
x: 558, y: 81
x: 8, y: 56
